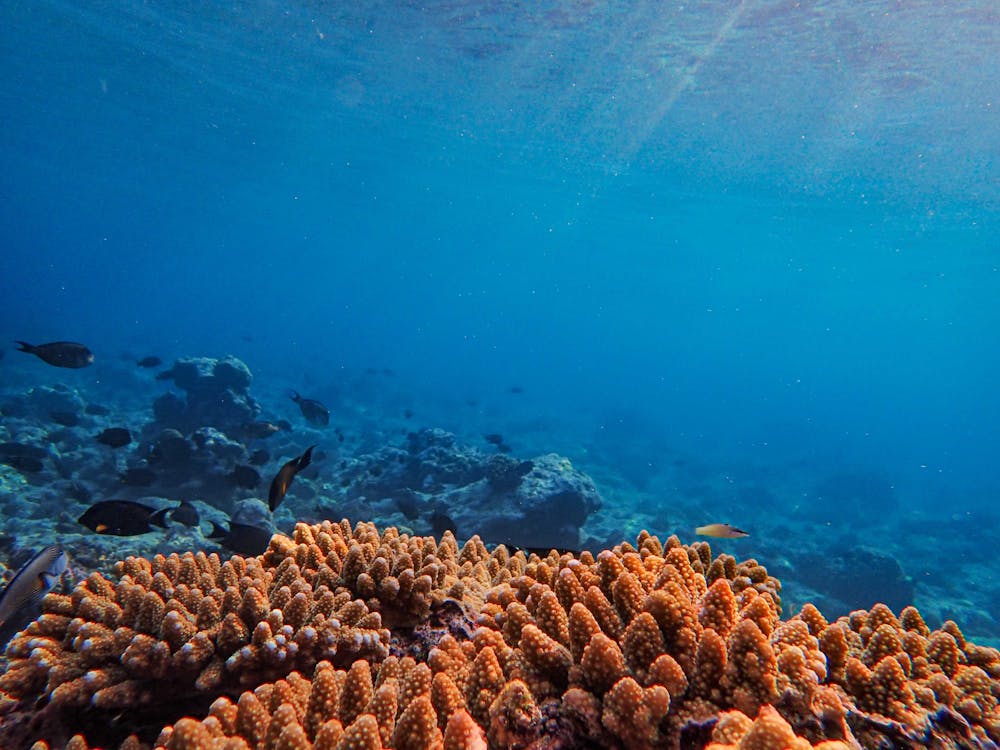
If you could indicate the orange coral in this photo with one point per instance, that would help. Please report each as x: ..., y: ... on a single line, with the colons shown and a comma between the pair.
x: 643, y: 646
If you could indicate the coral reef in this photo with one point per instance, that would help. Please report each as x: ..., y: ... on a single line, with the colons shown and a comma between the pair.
x: 346, y: 637
x: 216, y: 393
x: 540, y: 502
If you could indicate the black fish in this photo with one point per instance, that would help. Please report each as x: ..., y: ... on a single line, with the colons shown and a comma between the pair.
x: 408, y: 503
x: 314, y: 412
x: 80, y: 492
x: 115, y: 437
x: 97, y: 410
x: 10, y: 449
x: 283, y: 424
x: 24, y: 464
x: 185, y: 513
x: 259, y: 430
x: 283, y: 479
x: 493, y: 438
x: 543, y: 552
x: 259, y: 457
x: 122, y: 517
x: 149, y: 362
x: 441, y: 522
x: 407, y: 413
x: 137, y: 477
x: 60, y: 353
x: 65, y: 418
x: 515, y: 389
x: 242, y: 538
x: 246, y: 477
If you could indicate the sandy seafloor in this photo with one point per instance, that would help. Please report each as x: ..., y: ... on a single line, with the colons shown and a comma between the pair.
x: 884, y: 552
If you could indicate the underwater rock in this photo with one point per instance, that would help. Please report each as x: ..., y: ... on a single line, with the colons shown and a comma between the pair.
x: 537, y: 503
x: 41, y: 402
x: 505, y: 473
x: 435, y: 460
x: 856, y: 577
x: 252, y: 512
x: 216, y: 395
x: 545, y: 507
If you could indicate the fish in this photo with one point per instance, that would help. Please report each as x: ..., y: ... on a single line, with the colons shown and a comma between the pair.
x: 97, y: 410
x: 122, y: 518
x: 149, y: 362
x: 315, y: 413
x: 408, y: 503
x: 9, y: 449
x: 20, y: 599
x: 721, y: 531
x: 515, y: 389
x: 114, y: 437
x: 283, y: 479
x: 24, y: 464
x: 65, y: 418
x: 185, y: 513
x: 493, y: 438
x: 246, y: 477
x: 242, y: 538
x: 67, y: 354
x: 259, y: 430
x: 441, y: 522
x: 137, y: 477
x: 407, y: 413
x: 259, y: 457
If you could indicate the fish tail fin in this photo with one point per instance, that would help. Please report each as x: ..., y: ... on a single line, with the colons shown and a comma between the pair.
x: 159, y: 518
x: 25, y: 346
x: 217, y: 531
x: 306, y: 458
x: 295, y: 396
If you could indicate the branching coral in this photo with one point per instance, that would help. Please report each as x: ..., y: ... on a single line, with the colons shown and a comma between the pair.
x: 413, y: 643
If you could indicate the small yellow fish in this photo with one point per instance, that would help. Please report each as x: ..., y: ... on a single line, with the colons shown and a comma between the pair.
x: 721, y: 531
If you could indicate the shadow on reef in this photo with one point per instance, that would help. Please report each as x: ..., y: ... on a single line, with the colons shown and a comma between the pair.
x: 351, y: 637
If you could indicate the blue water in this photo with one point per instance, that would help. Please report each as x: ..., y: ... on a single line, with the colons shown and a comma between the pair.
x: 755, y: 237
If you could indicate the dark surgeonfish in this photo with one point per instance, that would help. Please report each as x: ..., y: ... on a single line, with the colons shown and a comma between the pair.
x: 186, y: 514
x: 24, y: 457
x: 122, y: 518
x: 149, y: 362
x: 242, y: 538
x: 259, y: 457
x: 246, y: 477
x: 441, y: 522
x: 20, y: 599
x: 259, y: 430
x: 115, y: 437
x: 24, y: 464
x: 283, y: 479
x: 314, y: 412
x: 65, y: 418
x: 137, y: 476
x: 60, y: 353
